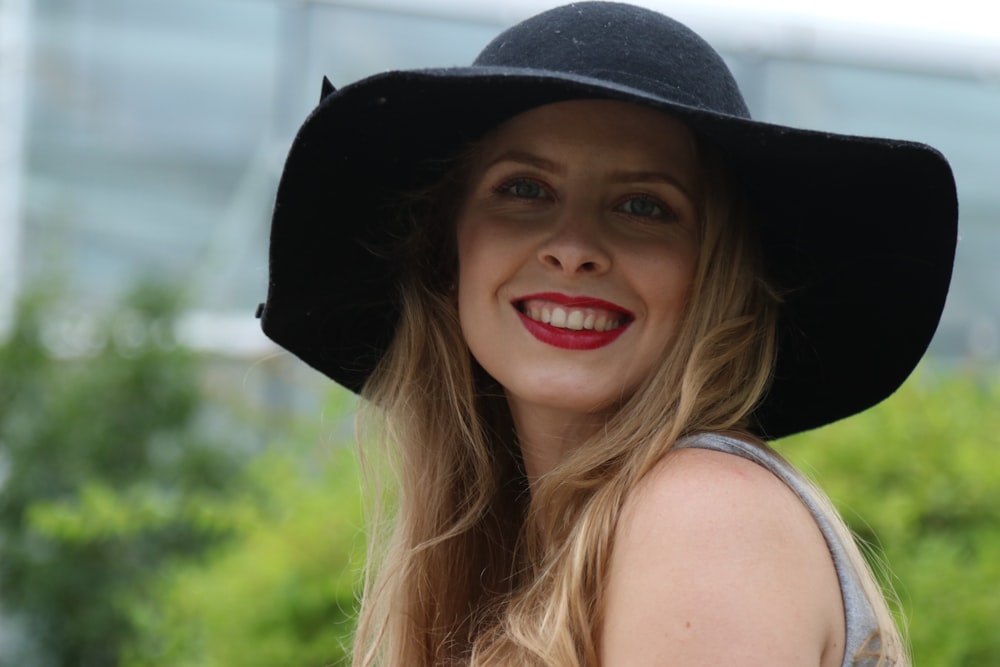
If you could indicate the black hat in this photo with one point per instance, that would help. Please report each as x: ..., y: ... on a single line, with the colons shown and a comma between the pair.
x: 860, y: 233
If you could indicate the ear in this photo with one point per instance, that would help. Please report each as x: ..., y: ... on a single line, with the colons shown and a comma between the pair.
x: 327, y: 89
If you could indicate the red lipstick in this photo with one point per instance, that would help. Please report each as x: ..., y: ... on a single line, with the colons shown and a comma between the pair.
x: 579, y: 338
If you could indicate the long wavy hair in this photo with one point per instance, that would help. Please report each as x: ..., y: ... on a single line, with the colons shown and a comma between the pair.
x: 465, y: 567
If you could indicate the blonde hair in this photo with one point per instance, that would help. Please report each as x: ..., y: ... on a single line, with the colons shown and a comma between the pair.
x: 464, y: 566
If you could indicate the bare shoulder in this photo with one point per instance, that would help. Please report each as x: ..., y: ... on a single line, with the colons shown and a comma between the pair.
x: 717, y: 561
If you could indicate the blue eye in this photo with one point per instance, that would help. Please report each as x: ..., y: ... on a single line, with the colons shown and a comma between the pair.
x: 643, y: 206
x: 523, y: 189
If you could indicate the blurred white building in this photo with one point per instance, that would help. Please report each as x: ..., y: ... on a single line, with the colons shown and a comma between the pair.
x: 156, y: 130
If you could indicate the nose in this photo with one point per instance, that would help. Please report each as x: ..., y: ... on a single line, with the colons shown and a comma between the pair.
x: 576, y: 245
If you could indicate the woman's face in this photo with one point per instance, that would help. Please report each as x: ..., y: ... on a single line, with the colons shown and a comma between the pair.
x: 577, y: 246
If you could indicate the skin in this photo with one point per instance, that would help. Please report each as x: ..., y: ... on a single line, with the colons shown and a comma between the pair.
x: 587, y: 199
x: 715, y: 560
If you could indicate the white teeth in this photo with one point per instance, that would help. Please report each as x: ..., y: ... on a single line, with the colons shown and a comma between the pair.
x: 574, y: 319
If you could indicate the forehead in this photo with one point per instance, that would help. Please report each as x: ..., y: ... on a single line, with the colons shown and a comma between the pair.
x: 621, y: 134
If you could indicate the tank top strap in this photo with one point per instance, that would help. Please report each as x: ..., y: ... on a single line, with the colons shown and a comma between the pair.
x: 859, y: 615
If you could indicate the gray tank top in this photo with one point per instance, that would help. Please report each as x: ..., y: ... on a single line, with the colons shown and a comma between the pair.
x: 859, y: 615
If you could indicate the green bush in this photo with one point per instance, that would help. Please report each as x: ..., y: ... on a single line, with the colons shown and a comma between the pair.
x: 919, y: 477
x: 100, y: 444
x: 283, y: 593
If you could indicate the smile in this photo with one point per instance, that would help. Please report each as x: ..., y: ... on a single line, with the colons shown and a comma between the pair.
x: 574, y: 323
x: 575, y: 319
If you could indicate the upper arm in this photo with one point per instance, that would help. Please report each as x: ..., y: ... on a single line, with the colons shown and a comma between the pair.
x: 717, y: 562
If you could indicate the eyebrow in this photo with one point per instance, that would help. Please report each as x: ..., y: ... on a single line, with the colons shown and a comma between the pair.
x: 618, y: 176
x: 648, y: 177
x: 530, y: 159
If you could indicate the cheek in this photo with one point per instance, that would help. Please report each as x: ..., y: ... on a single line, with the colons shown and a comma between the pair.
x: 474, y: 281
x: 469, y: 267
x: 668, y: 277
x: 477, y: 314
x: 486, y: 259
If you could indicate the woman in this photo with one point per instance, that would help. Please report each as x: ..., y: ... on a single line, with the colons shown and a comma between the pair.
x: 580, y: 288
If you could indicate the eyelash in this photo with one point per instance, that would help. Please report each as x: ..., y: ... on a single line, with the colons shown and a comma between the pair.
x: 507, y: 188
x: 664, y: 211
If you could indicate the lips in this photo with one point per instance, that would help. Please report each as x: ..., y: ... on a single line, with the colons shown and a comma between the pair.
x: 575, y: 323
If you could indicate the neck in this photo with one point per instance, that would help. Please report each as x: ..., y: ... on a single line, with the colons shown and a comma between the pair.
x: 546, y: 435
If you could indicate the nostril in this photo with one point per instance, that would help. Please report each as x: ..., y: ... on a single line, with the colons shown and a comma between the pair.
x: 575, y: 262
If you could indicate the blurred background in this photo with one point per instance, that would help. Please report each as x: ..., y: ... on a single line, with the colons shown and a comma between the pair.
x: 174, y: 490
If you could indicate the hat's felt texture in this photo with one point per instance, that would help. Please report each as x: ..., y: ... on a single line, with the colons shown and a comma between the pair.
x: 859, y: 233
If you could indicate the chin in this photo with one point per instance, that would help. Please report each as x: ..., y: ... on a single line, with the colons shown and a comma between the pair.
x: 573, y: 401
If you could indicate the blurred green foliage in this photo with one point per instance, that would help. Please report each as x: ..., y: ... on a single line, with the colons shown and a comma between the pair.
x: 97, y: 415
x: 283, y: 594
x: 131, y: 538
x: 918, y: 477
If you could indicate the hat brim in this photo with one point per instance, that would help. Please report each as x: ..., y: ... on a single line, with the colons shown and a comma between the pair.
x: 859, y: 232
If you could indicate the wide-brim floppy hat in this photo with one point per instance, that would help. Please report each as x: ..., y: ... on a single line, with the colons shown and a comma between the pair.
x: 859, y: 233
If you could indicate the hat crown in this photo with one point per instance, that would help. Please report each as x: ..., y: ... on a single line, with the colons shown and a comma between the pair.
x: 623, y: 45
